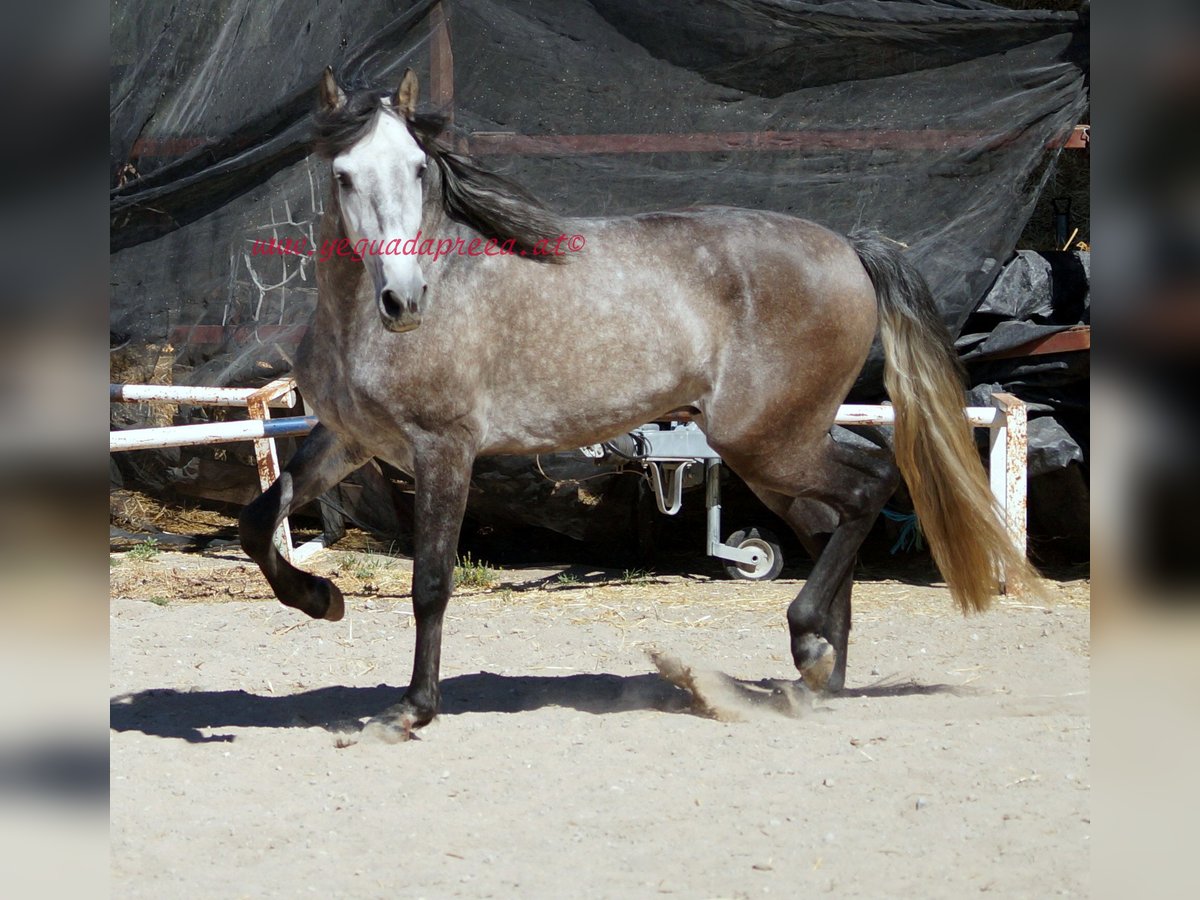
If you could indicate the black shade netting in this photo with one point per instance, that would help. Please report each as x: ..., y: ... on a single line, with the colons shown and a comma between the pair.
x: 935, y: 121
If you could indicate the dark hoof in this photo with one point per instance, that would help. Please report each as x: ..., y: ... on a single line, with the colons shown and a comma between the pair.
x: 815, y: 658
x: 317, y: 598
x: 337, y: 604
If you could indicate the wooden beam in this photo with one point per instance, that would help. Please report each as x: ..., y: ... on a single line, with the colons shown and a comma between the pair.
x: 441, y: 63
x: 1080, y: 139
x: 441, y: 91
x: 496, y: 142
x: 1075, y: 339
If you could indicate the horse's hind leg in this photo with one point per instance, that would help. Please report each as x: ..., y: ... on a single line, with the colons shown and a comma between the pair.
x: 855, y: 484
x: 320, y: 463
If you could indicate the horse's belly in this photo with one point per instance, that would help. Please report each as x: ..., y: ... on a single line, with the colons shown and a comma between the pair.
x: 538, y: 423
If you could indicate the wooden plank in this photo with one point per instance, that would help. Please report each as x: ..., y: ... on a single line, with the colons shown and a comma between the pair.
x: 492, y: 143
x: 441, y: 63
x: 442, y: 94
x: 1080, y: 139
x: 1075, y: 339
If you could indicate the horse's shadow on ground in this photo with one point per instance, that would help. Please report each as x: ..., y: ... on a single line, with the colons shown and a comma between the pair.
x: 187, y: 715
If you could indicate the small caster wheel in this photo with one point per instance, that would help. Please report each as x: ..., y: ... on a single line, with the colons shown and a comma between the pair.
x: 770, y: 561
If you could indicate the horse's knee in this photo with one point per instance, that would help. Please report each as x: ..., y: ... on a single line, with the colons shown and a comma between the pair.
x: 432, y: 589
x: 859, y: 502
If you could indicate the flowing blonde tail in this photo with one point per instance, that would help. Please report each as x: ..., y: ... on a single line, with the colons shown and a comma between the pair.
x: 933, y: 442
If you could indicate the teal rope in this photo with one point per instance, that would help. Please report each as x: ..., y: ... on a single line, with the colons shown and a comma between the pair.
x: 910, y: 532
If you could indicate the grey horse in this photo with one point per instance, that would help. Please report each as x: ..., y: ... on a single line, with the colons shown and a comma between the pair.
x: 534, y: 333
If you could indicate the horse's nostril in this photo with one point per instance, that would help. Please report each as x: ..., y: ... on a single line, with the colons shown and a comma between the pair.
x: 392, y: 307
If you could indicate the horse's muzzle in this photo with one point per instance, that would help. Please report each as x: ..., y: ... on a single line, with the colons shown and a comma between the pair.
x: 400, y: 315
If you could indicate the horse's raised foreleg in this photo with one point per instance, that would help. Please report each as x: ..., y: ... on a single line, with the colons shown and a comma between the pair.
x: 320, y: 463
x: 855, y: 484
x: 443, y: 477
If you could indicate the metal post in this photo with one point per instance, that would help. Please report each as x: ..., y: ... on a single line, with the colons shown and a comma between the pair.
x: 1016, y: 468
x: 1008, y: 461
x: 712, y: 499
x: 260, y: 429
x: 266, y: 458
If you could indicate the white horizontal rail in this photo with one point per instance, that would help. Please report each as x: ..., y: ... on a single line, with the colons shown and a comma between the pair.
x: 1006, y: 420
x: 200, y: 396
x: 261, y: 429
x: 861, y: 414
x: 210, y: 433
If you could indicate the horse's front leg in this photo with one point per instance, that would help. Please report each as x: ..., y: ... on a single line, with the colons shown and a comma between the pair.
x: 443, y: 477
x: 321, y: 462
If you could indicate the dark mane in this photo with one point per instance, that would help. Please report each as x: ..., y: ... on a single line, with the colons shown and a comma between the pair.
x: 489, y: 203
x: 336, y: 131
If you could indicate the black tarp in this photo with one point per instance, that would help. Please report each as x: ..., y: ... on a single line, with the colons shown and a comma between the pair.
x: 936, y: 121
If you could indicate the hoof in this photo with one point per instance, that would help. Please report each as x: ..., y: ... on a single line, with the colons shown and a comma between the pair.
x: 395, y: 725
x: 816, y: 661
x: 387, y: 732
x: 337, y: 604
x: 317, y: 598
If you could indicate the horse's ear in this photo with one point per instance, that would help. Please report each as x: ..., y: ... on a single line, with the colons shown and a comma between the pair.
x: 406, y: 94
x: 329, y: 95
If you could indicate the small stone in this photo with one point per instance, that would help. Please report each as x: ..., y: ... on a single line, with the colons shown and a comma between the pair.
x: 922, y: 803
x: 828, y: 782
x: 874, y: 671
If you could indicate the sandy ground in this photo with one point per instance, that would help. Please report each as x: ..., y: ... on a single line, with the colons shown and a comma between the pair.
x: 956, y: 761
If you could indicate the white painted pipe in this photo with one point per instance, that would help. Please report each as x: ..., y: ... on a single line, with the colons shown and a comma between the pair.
x: 200, y: 396
x: 254, y: 429
x: 860, y: 414
x: 209, y: 433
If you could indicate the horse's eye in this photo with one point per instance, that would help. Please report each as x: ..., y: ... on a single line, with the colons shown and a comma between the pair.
x: 421, y: 170
x: 343, y: 180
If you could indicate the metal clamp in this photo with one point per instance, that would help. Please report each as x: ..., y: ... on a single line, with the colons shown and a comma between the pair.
x: 674, y: 484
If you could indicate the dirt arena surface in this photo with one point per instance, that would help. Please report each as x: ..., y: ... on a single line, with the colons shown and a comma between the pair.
x: 563, y: 765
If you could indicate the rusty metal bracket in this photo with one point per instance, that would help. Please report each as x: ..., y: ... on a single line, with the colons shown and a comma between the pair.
x: 1008, y: 445
x: 258, y: 403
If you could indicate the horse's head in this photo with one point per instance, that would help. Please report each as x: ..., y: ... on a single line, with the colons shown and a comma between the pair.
x: 378, y: 183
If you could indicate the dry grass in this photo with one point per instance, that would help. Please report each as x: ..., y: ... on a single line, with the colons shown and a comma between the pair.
x: 364, y: 568
x: 136, y: 511
x: 692, y: 603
